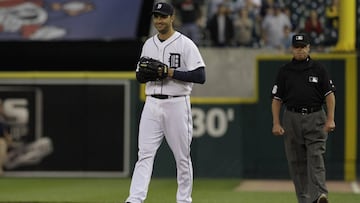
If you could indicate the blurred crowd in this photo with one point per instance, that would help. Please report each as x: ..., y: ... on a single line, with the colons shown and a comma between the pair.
x: 257, y: 23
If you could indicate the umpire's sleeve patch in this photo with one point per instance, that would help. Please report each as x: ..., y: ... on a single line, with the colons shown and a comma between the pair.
x: 274, y: 90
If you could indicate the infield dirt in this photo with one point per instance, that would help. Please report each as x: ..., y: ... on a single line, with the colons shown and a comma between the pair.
x: 287, y: 186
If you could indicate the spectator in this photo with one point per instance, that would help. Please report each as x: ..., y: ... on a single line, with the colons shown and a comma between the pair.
x: 243, y: 28
x: 255, y: 3
x: 213, y: 7
x: 253, y: 9
x: 332, y: 23
x: 286, y: 41
x: 294, y: 24
x: 252, y: 6
x: 315, y: 29
x: 273, y: 27
x: 265, y: 6
x: 332, y: 15
x: 221, y: 27
x: 190, y: 13
x: 5, y: 138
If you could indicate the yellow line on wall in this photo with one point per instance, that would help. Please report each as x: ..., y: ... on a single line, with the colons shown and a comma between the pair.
x: 67, y: 74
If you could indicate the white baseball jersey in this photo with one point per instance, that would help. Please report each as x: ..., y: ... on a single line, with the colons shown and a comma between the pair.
x: 177, y: 52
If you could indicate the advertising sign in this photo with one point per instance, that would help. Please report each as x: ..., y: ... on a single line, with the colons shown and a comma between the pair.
x: 67, y: 127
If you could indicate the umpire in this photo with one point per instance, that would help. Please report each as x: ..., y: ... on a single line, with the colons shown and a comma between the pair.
x: 303, y: 86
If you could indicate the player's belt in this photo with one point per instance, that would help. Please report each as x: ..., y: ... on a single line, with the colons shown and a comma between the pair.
x: 162, y: 96
x: 304, y: 110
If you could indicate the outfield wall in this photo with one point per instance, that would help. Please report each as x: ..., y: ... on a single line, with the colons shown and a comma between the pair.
x: 232, y: 134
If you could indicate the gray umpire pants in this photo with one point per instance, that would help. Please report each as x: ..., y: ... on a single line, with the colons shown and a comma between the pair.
x: 305, y: 143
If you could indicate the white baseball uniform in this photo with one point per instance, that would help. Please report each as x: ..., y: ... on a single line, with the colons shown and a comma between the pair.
x: 170, y: 118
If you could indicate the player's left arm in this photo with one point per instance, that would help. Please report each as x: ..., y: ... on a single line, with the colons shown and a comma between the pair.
x: 195, y: 70
x: 195, y: 76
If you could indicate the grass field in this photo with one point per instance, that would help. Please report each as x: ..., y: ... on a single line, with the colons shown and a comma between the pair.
x: 115, y: 190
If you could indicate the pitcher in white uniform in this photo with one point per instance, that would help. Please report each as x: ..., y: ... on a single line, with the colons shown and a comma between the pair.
x: 167, y: 110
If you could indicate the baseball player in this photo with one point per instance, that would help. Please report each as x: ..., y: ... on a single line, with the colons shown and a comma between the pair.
x: 167, y: 110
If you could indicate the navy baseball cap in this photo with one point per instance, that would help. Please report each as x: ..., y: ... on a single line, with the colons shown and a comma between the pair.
x: 163, y: 9
x: 301, y: 39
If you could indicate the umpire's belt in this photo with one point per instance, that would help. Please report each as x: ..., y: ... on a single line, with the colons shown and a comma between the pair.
x: 162, y: 96
x: 304, y: 110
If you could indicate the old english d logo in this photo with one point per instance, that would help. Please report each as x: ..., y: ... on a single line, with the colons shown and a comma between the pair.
x: 174, y: 60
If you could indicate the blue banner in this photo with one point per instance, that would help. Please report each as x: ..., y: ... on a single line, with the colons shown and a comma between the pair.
x: 69, y: 19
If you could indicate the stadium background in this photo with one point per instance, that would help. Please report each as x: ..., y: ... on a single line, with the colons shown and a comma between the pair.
x: 82, y: 95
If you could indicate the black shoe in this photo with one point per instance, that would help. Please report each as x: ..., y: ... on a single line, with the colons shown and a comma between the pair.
x: 322, y: 199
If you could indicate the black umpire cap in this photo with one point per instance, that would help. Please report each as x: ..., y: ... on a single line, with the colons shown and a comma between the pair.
x: 301, y: 39
x: 163, y: 9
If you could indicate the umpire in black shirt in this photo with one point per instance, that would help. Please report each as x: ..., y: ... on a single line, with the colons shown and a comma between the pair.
x: 304, y: 86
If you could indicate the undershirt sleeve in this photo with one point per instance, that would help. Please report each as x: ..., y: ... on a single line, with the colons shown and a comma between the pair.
x: 195, y: 76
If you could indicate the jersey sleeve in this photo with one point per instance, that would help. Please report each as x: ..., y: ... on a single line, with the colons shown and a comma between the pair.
x: 327, y: 84
x: 194, y: 59
x: 277, y: 91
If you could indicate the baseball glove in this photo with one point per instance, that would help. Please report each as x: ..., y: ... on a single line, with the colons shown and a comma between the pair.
x: 151, y: 69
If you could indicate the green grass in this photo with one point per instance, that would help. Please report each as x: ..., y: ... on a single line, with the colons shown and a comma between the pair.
x: 106, y: 190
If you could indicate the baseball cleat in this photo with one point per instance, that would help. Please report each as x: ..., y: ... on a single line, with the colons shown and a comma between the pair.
x: 322, y: 199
